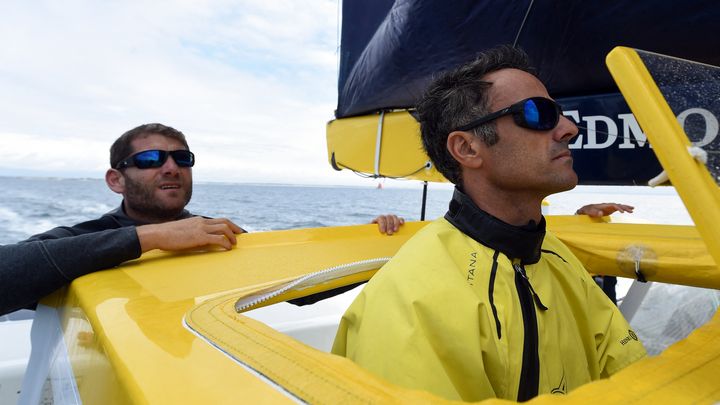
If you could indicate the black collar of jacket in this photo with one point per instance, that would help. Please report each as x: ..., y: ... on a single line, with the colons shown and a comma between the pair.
x: 120, y: 217
x: 515, y: 242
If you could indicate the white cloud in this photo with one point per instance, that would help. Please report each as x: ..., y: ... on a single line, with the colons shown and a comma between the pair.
x: 251, y: 83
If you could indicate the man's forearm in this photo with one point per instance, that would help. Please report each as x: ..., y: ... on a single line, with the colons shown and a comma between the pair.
x: 33, y: 269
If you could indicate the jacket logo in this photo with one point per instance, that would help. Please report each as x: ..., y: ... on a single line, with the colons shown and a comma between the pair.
x: 561, y: 389
x: 631, y: 336
x: 471, y: 268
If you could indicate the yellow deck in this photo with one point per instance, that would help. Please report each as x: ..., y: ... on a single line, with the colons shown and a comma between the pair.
x: 127, y: 342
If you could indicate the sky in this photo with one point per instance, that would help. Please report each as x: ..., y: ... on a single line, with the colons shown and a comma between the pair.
x: 251, y: 83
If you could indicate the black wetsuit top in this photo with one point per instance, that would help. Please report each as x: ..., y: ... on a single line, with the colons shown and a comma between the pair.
x: 33, y: 268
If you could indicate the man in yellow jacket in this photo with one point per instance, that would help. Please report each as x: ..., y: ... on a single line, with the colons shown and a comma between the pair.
x: 485, y: 302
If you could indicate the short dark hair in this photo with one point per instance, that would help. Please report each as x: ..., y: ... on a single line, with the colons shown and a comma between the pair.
x: 122, y: 147
x: 457, y: 97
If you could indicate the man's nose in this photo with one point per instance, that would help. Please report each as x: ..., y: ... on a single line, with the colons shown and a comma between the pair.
x: 170, y: 166
x: 565, y: 130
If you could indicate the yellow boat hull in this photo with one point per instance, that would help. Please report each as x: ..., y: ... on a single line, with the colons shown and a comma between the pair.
x: 127, y: 342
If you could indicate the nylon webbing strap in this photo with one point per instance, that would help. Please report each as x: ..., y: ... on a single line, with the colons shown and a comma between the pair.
x: 378, y: 143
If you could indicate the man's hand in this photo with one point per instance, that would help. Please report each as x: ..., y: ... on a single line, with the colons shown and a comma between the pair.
x: 599, y: 210
x: 188, y: 233
x: 388, y: 224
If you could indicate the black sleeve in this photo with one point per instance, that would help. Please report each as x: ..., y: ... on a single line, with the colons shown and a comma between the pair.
x: 34, y: 268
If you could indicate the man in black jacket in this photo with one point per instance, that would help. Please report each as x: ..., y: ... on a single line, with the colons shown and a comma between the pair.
x: 151, y: 167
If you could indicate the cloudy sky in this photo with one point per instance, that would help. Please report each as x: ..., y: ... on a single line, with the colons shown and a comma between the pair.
x: 251, y: 83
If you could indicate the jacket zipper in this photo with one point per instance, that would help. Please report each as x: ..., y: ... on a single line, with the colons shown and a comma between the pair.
x: 530, y: 372
x: 491, y: 292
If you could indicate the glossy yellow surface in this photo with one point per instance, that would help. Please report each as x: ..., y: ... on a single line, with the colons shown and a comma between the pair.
x: 131, y: 334
x: 319, y: 377
x: 95, y: 376
x: 127, y: 342
x: 693, y: 182
x: 665, y: 253
x: 353, y: 142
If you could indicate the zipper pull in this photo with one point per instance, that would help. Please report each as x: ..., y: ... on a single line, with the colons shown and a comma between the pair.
x: 521, y: 270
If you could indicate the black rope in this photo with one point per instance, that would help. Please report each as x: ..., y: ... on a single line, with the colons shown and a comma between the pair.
x: 338, y: 165
x: 424, y: 200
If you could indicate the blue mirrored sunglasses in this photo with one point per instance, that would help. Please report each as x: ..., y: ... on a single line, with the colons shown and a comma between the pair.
x: 155, y: 158
x: 536, y: 113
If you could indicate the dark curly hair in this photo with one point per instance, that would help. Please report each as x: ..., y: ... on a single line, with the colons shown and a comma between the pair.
x: 459, y: 96
x: 122, y: 148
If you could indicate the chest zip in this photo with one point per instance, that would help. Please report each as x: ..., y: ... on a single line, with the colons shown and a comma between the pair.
x: 530, y: 373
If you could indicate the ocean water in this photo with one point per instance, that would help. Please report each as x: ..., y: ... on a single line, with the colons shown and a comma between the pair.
x: 30, y: 205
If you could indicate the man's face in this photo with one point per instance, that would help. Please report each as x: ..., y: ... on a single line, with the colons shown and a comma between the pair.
x: 157, y: 194
x: 526, y: 161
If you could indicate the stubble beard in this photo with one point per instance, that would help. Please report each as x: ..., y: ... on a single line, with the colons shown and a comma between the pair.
x: 563, y: 180
x: 561, y: 183
x: 141, y: 199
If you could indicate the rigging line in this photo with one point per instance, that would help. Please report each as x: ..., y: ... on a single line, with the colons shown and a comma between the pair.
x: 522, y: 25
x: 375, y: 176
x: 599, y: 131
x: 337, y: 36
x: 630, y: 138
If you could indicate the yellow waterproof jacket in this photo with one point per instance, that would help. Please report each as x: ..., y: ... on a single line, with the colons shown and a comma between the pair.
x: 512, y: 317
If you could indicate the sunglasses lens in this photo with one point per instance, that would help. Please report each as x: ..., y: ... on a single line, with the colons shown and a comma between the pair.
x: 149, y: 158
x: 540, y: 113
x: 183, y: 158
x: 156, y: 158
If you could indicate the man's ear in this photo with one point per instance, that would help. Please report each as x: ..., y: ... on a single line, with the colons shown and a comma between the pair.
x: 465, y: 148
x: 115, y: 180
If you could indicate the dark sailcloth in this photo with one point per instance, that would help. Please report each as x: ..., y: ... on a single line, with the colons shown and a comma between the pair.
x: 391, y: 50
